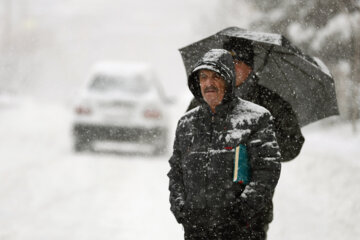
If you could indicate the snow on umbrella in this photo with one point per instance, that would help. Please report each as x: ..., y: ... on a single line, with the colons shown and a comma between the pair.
x: 299, y: 79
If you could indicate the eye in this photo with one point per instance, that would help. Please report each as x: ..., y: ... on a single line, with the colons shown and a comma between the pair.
x: 217, y: 76
x: 202, y: 76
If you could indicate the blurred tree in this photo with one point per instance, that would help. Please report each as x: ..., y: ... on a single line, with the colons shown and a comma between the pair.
x: 14, y: 40
x: 324, y: 28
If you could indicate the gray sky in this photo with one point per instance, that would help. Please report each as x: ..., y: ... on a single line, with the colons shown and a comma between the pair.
x: 50, y: 46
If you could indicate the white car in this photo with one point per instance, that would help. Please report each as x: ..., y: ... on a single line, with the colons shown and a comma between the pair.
x: 121, y: 103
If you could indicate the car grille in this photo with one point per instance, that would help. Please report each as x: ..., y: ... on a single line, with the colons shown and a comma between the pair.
x: 117, y: 133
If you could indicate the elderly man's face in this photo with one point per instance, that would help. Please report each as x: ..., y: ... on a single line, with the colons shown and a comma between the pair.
x: 212, y: 87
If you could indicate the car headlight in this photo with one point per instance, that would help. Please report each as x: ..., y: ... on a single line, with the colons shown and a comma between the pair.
x: 152, y: 113
x: 82, y: 110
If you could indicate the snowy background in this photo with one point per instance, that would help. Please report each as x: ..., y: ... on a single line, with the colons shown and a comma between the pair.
x: 49, y: 192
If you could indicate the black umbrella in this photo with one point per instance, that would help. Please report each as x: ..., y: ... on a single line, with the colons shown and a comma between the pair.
x: 299, y: 79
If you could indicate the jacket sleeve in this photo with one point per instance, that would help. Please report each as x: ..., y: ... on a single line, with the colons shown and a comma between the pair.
x: 176, y: 185
x: 286, y: 125
x: 264, y: 156
x: 288, y: 132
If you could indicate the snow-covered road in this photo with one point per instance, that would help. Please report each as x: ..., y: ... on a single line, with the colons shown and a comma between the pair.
x: 49, y: 192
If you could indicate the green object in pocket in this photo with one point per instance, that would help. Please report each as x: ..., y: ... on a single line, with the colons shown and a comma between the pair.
x: 241, y: 165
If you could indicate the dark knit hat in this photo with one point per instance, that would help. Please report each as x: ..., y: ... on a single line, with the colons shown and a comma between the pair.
x: 241, y: 49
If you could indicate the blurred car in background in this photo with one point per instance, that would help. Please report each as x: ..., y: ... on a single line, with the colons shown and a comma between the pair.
x: 122, y: 103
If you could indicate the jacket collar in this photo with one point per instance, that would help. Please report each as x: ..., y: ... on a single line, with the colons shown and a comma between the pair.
x: 222, y: 110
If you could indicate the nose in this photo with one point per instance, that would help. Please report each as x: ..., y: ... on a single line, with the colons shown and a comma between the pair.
x: 208, y: 81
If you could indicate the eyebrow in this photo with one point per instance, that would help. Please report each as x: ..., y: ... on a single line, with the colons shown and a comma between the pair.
x: 202, y: 74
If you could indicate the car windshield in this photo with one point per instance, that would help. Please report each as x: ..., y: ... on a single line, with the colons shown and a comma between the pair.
x: 133, y: 84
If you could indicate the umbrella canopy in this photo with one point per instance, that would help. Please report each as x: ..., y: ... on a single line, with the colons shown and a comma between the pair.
x: 301, y: 80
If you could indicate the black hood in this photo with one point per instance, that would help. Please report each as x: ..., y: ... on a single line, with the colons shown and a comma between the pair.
x: 217, y: 60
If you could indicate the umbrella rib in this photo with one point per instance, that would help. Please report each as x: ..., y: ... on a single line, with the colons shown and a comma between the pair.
x: 290, y: 63
x: 281, y: 71
x: 268, y: 51
x: 304, y: 72
x: 292, y: 53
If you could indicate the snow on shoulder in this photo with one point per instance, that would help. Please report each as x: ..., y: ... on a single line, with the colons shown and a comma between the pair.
x: 188, y: 116
x: 247, y: 112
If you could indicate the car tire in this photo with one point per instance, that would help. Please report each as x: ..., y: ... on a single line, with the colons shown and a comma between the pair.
x: 80, y: 146
x: 158, y: 151
x: 161, y: 148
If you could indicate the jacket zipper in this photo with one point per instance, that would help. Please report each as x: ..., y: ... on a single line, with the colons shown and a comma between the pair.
x: 207, y: 180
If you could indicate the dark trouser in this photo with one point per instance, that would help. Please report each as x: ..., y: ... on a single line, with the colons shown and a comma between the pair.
x: 225, y: 233
x: 207, y: 228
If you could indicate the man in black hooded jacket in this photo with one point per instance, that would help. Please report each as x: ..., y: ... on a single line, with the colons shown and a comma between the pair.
x: 286, y: 126
x: 206, y: 195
